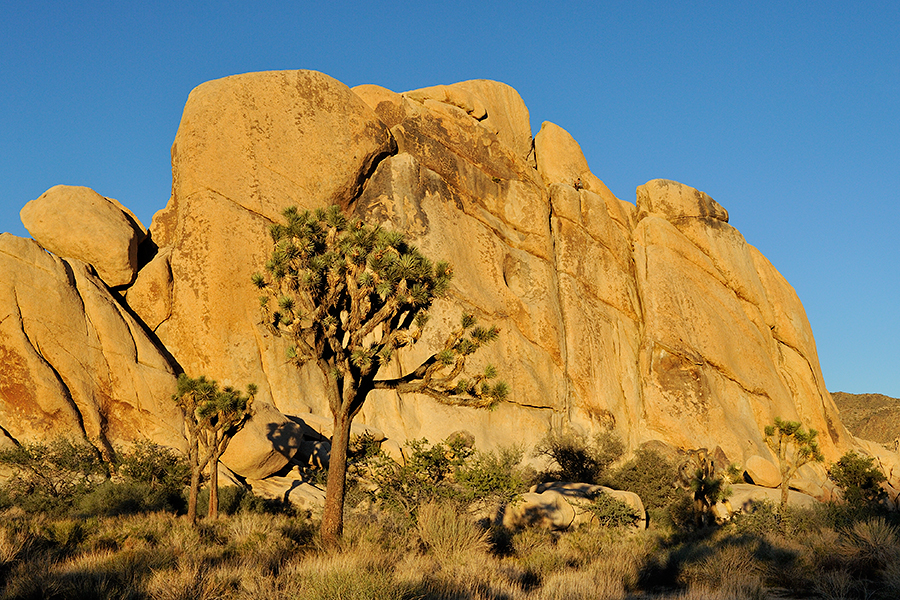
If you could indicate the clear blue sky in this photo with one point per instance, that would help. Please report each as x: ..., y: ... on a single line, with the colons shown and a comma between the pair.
x: 787, y: 113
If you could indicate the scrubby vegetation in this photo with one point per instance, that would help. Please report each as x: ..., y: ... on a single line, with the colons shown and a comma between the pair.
x: 419, y: 531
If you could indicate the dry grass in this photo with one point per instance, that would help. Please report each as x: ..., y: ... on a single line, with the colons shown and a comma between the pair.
x: 442, y: 555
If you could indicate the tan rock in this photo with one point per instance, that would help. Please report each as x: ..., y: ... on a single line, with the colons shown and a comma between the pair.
x: 150, y: 294
x: 580, y: 495
x: 708, y: 373
x: 560, y: 160
x: 264, y: 445
x: 506, y: 113
x: 77, y: 222
x: 463, y: 99
x: 75, y: 363
x: 306, y: 138
x: 763, y: 472
x: 249, y: 146
x: 743, y: 496
x: 674, y: 201
x: 657, y: 320
x: 290, y: 488
x: 548, y: 509
x: 389, y: 106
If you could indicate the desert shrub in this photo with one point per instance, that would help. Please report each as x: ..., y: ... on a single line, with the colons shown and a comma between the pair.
x: 492, y: 476
x: 153, y: 464
x: 426, y: 476
x: 765, y: 518
x: 731, y: 568
x: 651, y: 476
x: 577, y: 458
x: 612, y: 512
x: 235, y: 500
x: 871, y: 545
x: 48, y: 477
x: 681, y: 513
x: 859, y: 479
x: 128, y: 497
x: 535, y: 551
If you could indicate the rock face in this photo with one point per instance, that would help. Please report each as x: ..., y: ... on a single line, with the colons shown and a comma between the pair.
x: 655, y: 319
x: 75, y: 363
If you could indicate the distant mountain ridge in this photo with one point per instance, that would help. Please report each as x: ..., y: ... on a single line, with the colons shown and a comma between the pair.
x: 873, y: 417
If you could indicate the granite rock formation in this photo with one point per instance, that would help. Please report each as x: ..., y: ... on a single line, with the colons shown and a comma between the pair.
x: 655, y: 319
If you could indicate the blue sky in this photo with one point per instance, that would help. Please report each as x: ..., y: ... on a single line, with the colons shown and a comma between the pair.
x: 787, y: 113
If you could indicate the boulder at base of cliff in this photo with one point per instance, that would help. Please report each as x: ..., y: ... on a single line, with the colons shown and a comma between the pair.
x: 265, y: 444
x: 581, y: 495
x: 744, y: 496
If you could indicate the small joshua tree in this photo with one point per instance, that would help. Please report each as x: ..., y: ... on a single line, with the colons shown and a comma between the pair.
x: 348, y: 295
x: 211, y: 417
x: 794, y: 448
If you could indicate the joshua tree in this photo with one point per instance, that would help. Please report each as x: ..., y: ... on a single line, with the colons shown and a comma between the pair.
x: 211, y: 417
x: 348, y: 295
x: 794, y: 447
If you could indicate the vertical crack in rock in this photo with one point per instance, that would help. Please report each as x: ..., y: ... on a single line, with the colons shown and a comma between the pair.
x: 67, y: 393
x: 564, y: 338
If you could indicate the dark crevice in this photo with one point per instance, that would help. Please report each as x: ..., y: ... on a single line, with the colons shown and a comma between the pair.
x: 9, y: 436
x: 151, y: 335
x: 367, y: 173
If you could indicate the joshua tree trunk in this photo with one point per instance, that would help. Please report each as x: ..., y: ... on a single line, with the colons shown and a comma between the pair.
x: 333, y: 515
x: 192, y: 495
x: 213, y: 488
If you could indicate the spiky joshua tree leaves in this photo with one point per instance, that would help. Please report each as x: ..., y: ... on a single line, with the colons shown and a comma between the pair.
x: 794, y: 447
x: 211, y: 418
x: 348, y: 295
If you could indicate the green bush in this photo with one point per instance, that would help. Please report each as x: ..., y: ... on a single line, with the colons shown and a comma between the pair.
x: 651, y: 476
x: 578, y: 459
x: 859, y: 479
x: 425, y: 477
x: 446, y: 471
x: 66, y: 477
x: 492, y: 476
x: 127, y: 498
x: 158, y: 466
x: 48, y: 477
x: 235, y: 500
x: 612, y: 512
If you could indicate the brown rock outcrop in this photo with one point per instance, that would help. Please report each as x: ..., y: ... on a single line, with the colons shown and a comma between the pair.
x: 77, y: 222
x: 656, y: 319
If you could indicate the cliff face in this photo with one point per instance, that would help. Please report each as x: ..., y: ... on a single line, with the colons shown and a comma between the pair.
x: 655, y: 318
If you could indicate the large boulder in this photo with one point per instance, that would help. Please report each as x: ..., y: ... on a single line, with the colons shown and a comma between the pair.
x: 77, y: 222
x: 762, y: 471
x: 547, y: 509
x: 248, y: 146
x: 744, y: 496
x: 581, y: 495
x: 264, y: 445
